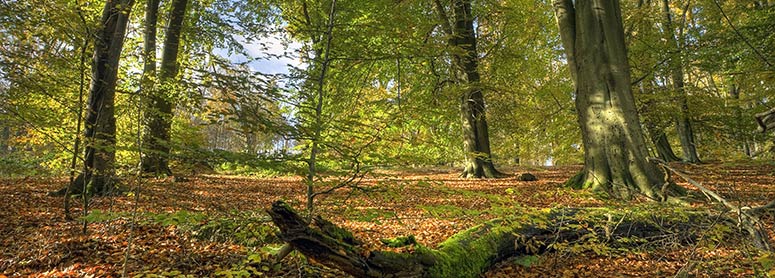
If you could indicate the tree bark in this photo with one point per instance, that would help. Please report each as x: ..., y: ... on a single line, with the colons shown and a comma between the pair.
x: 158, y: 127
x: 657, y: 134
x: 615, y: 150
x: 5, y: 136
x: 737, y: 125
x: 148, y: 85
x: 472, y: 252
x: 476, y: 138
x: 683, y: 122
x: 662, y: 145
x: 100, y: 121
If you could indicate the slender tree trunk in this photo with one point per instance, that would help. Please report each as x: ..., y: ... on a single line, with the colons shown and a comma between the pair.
x: 149, y: 46
x: 148, y: 84
x: 100, y: 121
x: 160, y: 122
x: 739, y: 134
x: 683, y: 123
x: 476, y: 138
x: 615, y: 150
x: 5, y: 136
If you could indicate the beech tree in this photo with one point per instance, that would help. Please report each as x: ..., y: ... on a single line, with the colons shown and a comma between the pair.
x: 465, y: 62
x: 100, y: 120
x: 158, y: 127
x: 615, y: 151
x: 683, y: 123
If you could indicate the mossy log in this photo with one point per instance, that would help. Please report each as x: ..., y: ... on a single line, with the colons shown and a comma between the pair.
x: 472, y: 252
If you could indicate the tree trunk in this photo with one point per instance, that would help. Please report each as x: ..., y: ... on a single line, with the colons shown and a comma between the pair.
x: 476, y: 138
x: 148, y: 84
x: 615, y: 151
x: 739, y: 121
x: 5, y: 136
x: 657, y: 134
x: 160, y: 122
x: 100, y: 122
x: 474, y: 251
x: 683, y: 123
x: 662, y: 145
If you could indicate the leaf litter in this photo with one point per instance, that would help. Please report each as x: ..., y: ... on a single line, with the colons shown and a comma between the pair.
x: 225, y: 231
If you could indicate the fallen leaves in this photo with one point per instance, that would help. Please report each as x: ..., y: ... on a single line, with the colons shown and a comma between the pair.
x: 431, y: 206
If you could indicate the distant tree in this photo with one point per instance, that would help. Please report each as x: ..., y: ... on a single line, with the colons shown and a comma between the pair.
x: 683, y: 122
x: 465, y: 62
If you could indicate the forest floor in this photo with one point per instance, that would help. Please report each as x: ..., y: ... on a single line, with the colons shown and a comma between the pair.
x: 216, y: 225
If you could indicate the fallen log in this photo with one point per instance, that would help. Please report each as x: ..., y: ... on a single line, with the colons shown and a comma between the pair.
x: 472, y: 252
x: 766, y: 120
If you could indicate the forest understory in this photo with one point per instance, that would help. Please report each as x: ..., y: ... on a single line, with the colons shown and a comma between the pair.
x: 217, y: 225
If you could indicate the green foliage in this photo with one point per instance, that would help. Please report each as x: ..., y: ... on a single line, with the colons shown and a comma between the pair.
x: 19, y: 165
x: 373, y: 215
x: 399, y: 241
x: 450, y: 211
x: 767, y: 263
x: 254, y: 265
x: 247, y: 229
x: 526, y: 261
x: 165, y: 274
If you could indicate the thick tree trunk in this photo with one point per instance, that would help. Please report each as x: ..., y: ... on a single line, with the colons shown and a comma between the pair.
x: 615, y: 151
x: 683, y: 123
x: 158, y: 127
x: 100, y: 121
x: 472, y: 252
x: 476, y: 138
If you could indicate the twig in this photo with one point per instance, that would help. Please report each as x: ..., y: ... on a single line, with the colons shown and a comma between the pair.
x: 138, y: 183
x: 748, y: 43
x: 746, y: 219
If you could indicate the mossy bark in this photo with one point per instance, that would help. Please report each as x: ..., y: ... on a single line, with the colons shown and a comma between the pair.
x: 615, y: 149
x: 474, y: 251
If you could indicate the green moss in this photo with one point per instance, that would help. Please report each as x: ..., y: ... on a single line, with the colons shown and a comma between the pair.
x: 469, y: 253
x: 399, y: 241
x: 577, y: 181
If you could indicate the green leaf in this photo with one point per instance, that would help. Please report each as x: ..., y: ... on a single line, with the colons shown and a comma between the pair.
x: 526, y: 261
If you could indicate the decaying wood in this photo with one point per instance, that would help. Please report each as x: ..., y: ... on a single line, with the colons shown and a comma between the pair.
x: 472, y: 252
x: 766, y: 120
x: 747, y: 217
